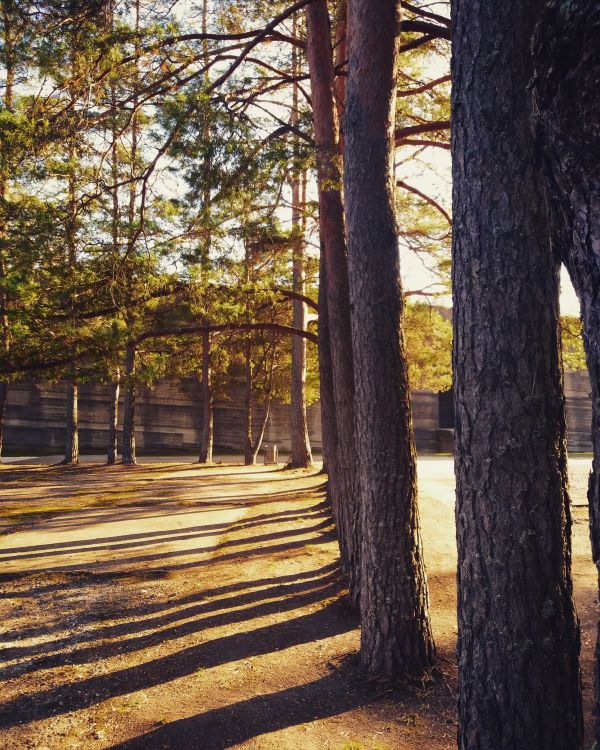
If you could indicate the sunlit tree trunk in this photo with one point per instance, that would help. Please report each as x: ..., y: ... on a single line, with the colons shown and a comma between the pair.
x: 72, y: 424
x: 341, y: 459
x: 301, y: 454
x: 518, y: 634
x: 9, y: 78
x: 396, y: 636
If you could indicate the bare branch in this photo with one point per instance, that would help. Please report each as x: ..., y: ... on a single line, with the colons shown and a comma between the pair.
x: 426, y: 198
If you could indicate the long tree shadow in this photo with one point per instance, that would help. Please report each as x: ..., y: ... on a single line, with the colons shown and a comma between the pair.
x: 323, y: 530
x: 100, y: 570
x: 276, y: 599
x: 129, y: 541
x: 222, y: 728
x: 331, y: 620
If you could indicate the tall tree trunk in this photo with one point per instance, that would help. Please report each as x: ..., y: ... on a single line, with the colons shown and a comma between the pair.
x: 128, y: 446
x: 328, y: 421
x: 396, y: 636
x: 567, y: 110
x: 113, y: 419
x: 206, y: 433
x: 9, y: 79
x: 518, y: 635
x: 341, y: 460
x: 249, y: 456
x: 301, y: 456
x: 72, y: 424
x: 301, y: 453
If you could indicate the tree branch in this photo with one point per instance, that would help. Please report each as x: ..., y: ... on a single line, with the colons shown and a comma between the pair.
x: 426, y: 198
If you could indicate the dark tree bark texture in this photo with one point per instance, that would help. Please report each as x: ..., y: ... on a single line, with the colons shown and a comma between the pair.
x: 518, y: 634
x: 396, y: 637
x: 341, y: 460
x: 566, y: 89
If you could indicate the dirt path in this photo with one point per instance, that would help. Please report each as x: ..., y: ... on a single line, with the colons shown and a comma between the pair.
x: 177, y: 607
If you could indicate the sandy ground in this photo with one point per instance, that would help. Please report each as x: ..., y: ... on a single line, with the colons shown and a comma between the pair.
x: 173, y: 606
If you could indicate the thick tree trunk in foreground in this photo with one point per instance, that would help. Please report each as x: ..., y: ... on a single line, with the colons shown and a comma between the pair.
x: 72, y: 425
x: 333, y: 247
x: 128, y: 456
x: 396, y: 637
x: 206, y: 433
x: 518, y: 635
x: 113, y: 419
x: 567, y: 108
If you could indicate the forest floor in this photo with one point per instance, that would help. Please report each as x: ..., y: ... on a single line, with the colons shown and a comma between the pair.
x: 175, y: 606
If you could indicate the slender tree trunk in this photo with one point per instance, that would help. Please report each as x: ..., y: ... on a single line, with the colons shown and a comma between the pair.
x: 249, y: 456
x: 9, y: 79
x: 72, y: 424
x: 301, y: 453
x: 301, y: 456
x: 328, y: 421
x: 206, y: 434
x: 567, y: 111
x: 113, y: 419
x: 341, y: 459
x: 128, y: 455
x: 518, y: 635
x: 396, y: 636
x: 261, y: 431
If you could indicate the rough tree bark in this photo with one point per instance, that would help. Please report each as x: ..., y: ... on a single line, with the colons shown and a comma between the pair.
x: 518, y: 634
x: 72, y: 424
x: 113, y: 419
x: 128, y: 455
x: 206, y: 433
x: 566, y: 88
x: 396, y: 637
x: 341, y: 459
